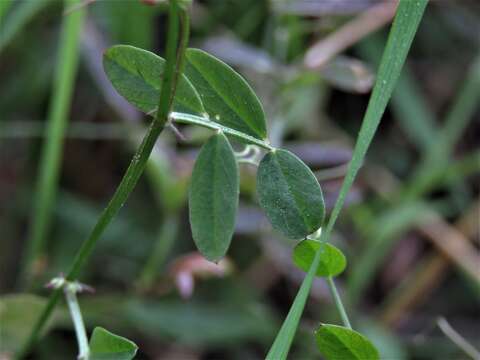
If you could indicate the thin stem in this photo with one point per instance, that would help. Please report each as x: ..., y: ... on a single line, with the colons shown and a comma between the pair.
x: 51, y: 157
x: 338, y: 302
x: 76, y: 314
x: 130, y: 178
x: 206, y: 123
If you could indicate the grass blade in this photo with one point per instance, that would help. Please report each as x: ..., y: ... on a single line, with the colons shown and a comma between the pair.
x: 52, y: 150
x: 407, y: 19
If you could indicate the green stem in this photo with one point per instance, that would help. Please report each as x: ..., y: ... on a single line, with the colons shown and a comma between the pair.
x: 52, y: 150
x: 76, y: 314
x: 130, y: 178
x: 206, y: 123
x: 338, y: 302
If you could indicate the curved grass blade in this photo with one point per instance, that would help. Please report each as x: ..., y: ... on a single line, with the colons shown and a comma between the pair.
x: 137, y: 75
x: 213, y: 197
x: 290, y: 194
x: 227, y: 97
x: 408, y: 16
x: 332, y: 260
x: 339, y: 343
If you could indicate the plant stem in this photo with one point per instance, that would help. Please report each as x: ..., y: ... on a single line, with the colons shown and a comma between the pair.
x: 67, y: 64
x: 204, y: 122
x: 76, y: 314
x: 338, y: 302
x: 131, y: 176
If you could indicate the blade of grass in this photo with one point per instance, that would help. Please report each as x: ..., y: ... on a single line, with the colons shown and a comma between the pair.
x: 133, y: 172
x: 432, y: 171
x: 51, y: 156
x: 405, y: 24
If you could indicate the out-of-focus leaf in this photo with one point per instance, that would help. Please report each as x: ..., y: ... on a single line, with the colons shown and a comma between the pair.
x: 18, y: 17
x: 213, y: 197
x: 226, y: 96
x: 340, y: 343
x: 107, y: 346
x: 332, y: 261
x: 388, y: 345
x: 349, y: 74
x: 290, y: 194
x: 17, y: 314
x: 320, y: 8
x: 196, y: 323
x: 137, y: 75
x: 234, y: 52
x: 318, y: 155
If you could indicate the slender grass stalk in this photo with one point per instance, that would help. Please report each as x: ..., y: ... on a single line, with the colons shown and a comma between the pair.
x: 408, y: 103
x: 338, y: 302
x: 408, y: 16
x: 132, y: 174
x: 433, y: 169
x: 67, y: 64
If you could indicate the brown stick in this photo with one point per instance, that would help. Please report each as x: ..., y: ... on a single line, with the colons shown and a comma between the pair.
x: 349, y: 34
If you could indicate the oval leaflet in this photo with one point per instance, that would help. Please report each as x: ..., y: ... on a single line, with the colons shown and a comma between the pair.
x: 289, y: 194
x: 340, y: 343
x: 213, y: 197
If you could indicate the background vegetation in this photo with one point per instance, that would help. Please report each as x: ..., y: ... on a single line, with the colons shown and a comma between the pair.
x: 410, y: 232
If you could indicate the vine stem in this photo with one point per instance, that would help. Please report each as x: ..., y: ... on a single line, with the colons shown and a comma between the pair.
x: 174, y: 57
x: 338, y: 302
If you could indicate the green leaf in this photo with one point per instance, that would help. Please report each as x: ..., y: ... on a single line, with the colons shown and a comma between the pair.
x: 332, y: 260
x: 340, y: 343
x: 17, y: 314
x: 227, y: 97
x: 290, y: 194
x: 408, y: 16
x: 137, y: 75
x: 107, y: 346
x: 213, y: 197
